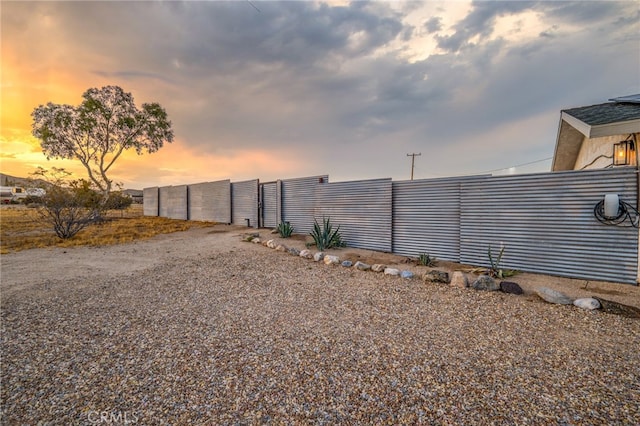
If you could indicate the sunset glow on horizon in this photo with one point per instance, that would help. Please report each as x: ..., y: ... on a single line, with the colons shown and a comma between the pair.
x: 300, y: 88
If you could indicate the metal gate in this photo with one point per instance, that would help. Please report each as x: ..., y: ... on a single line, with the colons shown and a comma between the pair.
x: 244, y: 203
x: 270, y: 204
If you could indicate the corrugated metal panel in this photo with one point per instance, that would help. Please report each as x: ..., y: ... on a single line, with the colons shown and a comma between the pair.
x: 163, y: 201
x: 298, y: 198
x: 279, y: 201
x: 210, y: 201
x: 269, y: 204
x: 150, y: 201
x: 362, y: 209
x: 175, y: 203
x: 426, y: 217
x: 546, y: 224
x: 244, y: 203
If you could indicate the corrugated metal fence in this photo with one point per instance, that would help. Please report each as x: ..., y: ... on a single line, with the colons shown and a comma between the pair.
x: 544, y: 221
x: 172, y: 202
x: 244, y: 203
x: 546, y: 224
x: 150, y: 197
x: 362, y: 209
x: 210, y: 201
x: 270, y: 204
x: 299, y: 200
x: 426, y: 217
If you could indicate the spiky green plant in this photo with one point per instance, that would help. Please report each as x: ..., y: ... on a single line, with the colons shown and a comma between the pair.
x: 495, y: 270
x: 324, y: 236
x: 426, y: 259
x: 285, y: 229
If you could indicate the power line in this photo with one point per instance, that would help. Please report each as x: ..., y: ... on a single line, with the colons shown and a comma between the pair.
x: 254, y: 6
x: 517, y: 165
x: 495, y: 170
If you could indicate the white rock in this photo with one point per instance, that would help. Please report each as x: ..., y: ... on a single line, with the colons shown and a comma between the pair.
x: 331, y: 260
x: 256, y: 241
x: 407, y: 274
x: 587, y: 303
x: 306, y: 254
x: 553, y: 296
x: 392, y: 271
x: 281, y: 247
x: 271, y: 244
x: 318, y: 256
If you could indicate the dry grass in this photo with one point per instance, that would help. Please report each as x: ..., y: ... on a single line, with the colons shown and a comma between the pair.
x: 22, y: 229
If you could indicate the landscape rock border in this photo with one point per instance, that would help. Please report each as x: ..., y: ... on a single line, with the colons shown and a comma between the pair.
x: 458, y: 279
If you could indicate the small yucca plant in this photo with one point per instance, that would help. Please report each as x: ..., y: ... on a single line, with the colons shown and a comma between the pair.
x: 495, y: 270
x: 426, y: 259
x: 285, y: 229
x: 325, y: 237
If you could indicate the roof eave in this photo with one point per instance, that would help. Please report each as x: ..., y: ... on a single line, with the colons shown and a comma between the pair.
x: 611, y: 129
x: 576, y: 123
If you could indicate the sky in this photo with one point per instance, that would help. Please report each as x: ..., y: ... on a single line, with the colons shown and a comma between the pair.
x: 277, y: 90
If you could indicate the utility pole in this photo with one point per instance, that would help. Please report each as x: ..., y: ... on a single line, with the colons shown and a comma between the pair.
x: 413, y: 161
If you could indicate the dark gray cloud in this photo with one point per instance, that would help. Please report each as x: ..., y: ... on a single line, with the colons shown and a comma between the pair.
x: 480, y: 21
x: 332, y: 86
x: 433, y: 24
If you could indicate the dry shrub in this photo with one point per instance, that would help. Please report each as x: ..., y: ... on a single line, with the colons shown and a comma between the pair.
x: 21, y: 229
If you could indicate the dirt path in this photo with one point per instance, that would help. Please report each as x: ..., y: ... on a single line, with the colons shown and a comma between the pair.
x: 25, y: 269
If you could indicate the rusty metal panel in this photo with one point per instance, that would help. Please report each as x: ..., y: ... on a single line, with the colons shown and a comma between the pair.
x: 362, y: 209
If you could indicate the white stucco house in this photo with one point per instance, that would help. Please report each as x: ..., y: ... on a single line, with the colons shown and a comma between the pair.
x: 598, y: 136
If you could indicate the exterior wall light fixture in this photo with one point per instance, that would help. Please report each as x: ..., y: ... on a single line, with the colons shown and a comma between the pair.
x: 622, y: 153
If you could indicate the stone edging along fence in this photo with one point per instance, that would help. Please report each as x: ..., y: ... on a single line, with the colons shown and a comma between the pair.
x: 545, y: 222
x: 458, y: 279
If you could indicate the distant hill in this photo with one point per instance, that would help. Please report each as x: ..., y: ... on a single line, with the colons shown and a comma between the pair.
x: 8, y: 180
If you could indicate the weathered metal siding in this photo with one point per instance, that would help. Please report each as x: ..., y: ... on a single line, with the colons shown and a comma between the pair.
x: 150, y: 201
x: 298, y: 200
x: 269, y: 204
x: 210, y: 201
x: 163, y: 201
x: 426, y: 217
x: 546, y: 224
x: 244, y: 203
x: 176, y: 202
x: 362, y: 209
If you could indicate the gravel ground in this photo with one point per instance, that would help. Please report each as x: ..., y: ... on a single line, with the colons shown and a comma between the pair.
x: 205, y: 332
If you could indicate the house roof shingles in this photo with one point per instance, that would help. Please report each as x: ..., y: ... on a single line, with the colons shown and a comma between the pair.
x: 610, y: 112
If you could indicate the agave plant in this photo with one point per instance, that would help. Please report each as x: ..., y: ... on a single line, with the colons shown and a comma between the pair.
x: 324, y: 236
x: 495, y: 270
x: 285, y: 229
x: 426, y: 259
